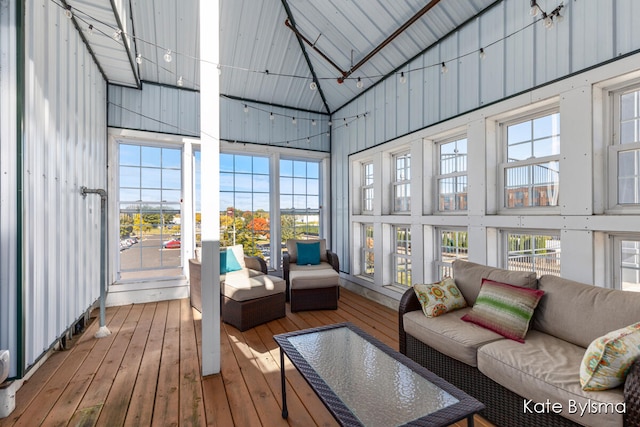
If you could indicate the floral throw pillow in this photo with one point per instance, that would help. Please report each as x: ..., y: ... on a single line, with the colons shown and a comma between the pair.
x: 608, y: 359
x: 439, y: 298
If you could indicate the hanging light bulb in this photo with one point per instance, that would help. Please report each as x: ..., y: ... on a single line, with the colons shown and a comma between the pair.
x: 482, y: 53
x: 117, y: 36
x: 403, y: 79
x: 167, y: 56
x: 293, y: 120
x: 559, y: 18
x: 90, y: 29
x: 359, y: 83
x: 139, y: 58
x: 68, y: 13
x: 330, y: 123
x: 534, y: 8
x: 180, y: 81
x: 548, y: 22
x: 313, y: 86
x: 271, y: 116
x: 219, y: 70
x: 313, y: 122
x: 246, y: 108
x: 308, y: 140
x: 444, y: 70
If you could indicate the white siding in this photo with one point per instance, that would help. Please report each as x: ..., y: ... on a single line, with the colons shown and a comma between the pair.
x: 65, y: 147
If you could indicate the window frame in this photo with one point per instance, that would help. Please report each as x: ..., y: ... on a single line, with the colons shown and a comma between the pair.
x: 532, y: 234
x: 457, y: 174
x: 531, y: 161
x: 367, y: 187
x: 399, y: 258
x: 366, y: 251
x: 617, y: 273
x: 405, y: 182
x: 615, y: 147
x: 440, y: 264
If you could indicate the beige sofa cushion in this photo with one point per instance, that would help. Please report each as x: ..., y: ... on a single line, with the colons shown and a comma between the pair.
x: 292, y: 249
x: 469, y: 275
x: 449, y: 335
x: 312, y: 277
x: 545, y: 367
x: 247, y: 284
x: 580, y: 313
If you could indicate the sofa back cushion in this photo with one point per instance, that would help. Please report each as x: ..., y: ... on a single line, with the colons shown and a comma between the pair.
x: 292, y: 249
x: 580, y: 313
x: 469, y: 275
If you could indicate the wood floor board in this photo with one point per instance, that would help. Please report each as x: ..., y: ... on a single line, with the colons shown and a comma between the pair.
x: 148, y: 371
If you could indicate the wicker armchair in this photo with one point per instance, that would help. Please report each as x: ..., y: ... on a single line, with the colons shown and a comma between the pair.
x: 314, y: 287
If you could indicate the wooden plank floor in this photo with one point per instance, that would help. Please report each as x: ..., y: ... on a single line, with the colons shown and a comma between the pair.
x: 147, y: 372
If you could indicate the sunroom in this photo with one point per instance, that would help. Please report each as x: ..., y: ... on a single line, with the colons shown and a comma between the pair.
x: 137, y: 136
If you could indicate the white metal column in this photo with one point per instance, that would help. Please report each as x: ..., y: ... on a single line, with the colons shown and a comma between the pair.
x: 210, y: 158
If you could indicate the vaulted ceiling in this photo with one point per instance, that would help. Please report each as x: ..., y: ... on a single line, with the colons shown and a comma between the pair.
x: 302, y: 54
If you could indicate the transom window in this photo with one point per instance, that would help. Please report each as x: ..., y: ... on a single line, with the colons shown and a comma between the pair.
x: 532, y: 167
x: 625, y: 151
x: 367, y: 187
x: 402, y: 255
x: 402, y: 182
x: 367, y: 250
x: 454, y: 244
x: 539, y: 253
x: 452, y: 178
x: 150, y: 180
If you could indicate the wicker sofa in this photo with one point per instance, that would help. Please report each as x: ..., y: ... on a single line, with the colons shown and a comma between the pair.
x: 510, y: 377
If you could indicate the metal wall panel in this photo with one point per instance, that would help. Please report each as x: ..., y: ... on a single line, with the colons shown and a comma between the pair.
x: 521, y: 54
x: 64, y: 149
x: 155, y: 108
x: 8, y: 184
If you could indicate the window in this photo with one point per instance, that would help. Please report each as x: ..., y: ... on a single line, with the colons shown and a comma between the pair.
x: 299, y: 200
x: 367, y: 250
x: 244, y: 203
x: 454, y: 245
x: 624, y: 154
x: 452, y: 178
x: 402, y: 183
x: 402, y: 255
x: 533, y: 252
x: 532, y: 168
x: 367, y: 187
x: 150, y: 188
x: 627, y: 263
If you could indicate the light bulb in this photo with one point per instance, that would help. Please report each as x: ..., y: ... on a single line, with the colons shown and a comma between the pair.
x: 534, y: 8
x: 313, y: 122
x: 483, y: 54
x: 359, y: 83
x: 167, y: 56
x: 219, y: 70
x: 444, y: 68
x: 293, y: 120
x: 330, y: 123
x: 548, y: 22
x: 559, y: 18
x: 308, y: 140
x: 403, y: 79
x: 117, y: 36
x: 246, y: 108
x: 313, y: 86
x: 90, y: 29
x: 271, y: 116
x: 180, y: 81
x: 68, y: 13
x: 139, y: 58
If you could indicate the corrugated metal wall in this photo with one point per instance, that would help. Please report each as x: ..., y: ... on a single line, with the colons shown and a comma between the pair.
x: 519, y: 56
x: 165, y: 109
x: 8, y: 182
x: 65, y: 148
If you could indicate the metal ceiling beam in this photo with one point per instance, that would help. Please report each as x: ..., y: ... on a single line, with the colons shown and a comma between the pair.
x: 124, y: 43
x: 306, y: 55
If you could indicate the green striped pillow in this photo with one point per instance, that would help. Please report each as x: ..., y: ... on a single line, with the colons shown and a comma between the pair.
x: 504, y: 309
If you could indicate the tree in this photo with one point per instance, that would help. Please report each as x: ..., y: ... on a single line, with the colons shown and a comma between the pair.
x: 259, y: 225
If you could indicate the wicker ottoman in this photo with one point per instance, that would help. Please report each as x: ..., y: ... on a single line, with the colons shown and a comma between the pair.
x: 314, y: 289
x: 249, y: 298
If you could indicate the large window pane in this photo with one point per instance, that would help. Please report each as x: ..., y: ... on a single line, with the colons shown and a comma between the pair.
x: 534, y: 252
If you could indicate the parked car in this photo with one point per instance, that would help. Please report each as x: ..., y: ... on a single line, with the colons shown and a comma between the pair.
x: 171, y: 244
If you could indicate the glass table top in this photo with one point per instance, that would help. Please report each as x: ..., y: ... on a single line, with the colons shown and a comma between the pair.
x: 378, y: 389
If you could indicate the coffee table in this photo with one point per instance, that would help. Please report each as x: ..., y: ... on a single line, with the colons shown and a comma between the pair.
x: 364, y: 382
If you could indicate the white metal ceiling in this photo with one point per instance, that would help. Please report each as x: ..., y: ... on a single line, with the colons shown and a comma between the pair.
x: 261, y: 58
